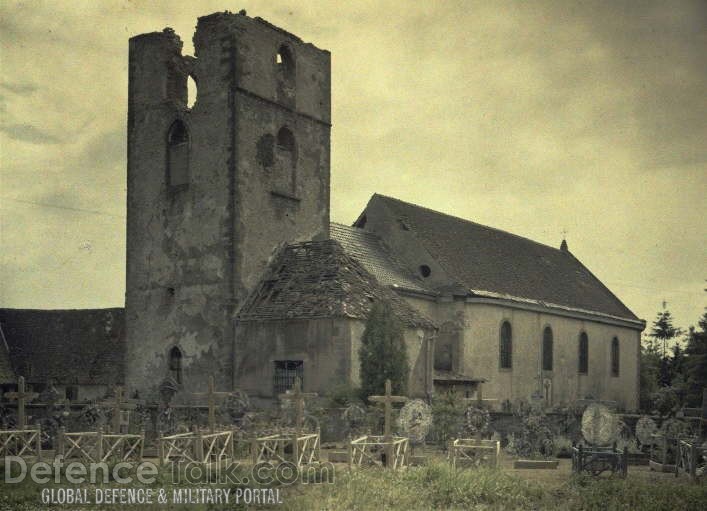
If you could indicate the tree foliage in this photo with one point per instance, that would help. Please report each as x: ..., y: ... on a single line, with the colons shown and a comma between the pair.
x: 696, y: 362
x: 383, y: 354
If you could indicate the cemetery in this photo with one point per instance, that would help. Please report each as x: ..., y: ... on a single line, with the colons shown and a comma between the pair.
x: 387, y: 438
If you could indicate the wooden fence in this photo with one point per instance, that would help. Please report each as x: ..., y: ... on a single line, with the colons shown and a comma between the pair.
x: 97, y: 446
x: 24, y: 443
x: 281, y: 448
x: 196, y: 447
x: 377, y: 450
x: 472, y: 452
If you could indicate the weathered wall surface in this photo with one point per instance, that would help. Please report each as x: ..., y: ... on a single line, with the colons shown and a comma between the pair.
x: 567, y: 383
x: 195, y: 249
x: 480, y: 354
x: 323, y: 345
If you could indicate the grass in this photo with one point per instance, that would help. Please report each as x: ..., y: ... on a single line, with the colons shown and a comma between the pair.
x: 437, y: 486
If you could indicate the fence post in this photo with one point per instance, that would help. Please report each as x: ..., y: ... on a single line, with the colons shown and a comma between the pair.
x: 142, y: 442
x: 254, y: 450
x: 39, y: 442
x: 99, y: 445
x: 59, y: 442
x: 693, y: 459
x: 624, y: 468
x: 199, y: 445
x: 160, y: 447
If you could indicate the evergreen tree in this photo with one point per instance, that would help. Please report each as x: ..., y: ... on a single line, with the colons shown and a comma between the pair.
x: 383, y: 354
x: 650, y: 372
x: 663, y: 330
x: 696, y: 362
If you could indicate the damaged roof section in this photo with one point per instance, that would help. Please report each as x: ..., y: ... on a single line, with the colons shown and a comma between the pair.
x: 367, y: 248
x: 319, y: 279
x: 71, y: 347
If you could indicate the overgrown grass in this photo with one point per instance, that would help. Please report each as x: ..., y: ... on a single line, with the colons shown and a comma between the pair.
x: 437, y: 486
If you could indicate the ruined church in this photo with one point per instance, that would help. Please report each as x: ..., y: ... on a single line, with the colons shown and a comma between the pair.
x: 235, y: 270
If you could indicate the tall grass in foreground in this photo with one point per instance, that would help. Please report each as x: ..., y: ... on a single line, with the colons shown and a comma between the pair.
x: 438, y: 487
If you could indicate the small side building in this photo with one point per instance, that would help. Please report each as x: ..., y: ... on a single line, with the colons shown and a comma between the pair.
x: 307, y: 317
x: 80, y: 352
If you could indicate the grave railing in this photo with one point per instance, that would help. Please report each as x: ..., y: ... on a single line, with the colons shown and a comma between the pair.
x: 196, y: 447
x: 97, y: 446
x: 302, y: 449
x: 596, y: 460
x: 25, y: 443
x: 365, y: 450
x: 689, y: 454
x: 470, y: 451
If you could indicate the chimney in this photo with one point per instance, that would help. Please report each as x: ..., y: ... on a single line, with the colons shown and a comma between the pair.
x: 563, y: 246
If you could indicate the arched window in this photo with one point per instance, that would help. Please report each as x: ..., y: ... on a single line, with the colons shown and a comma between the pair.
x: 285, y: 73
x: 615, y: 357
x: 583, y: 353
x: 175, y: 364
x: 178, y: 154
x: 547, y: 349
x: 506, y: 347
x: 285, y: 162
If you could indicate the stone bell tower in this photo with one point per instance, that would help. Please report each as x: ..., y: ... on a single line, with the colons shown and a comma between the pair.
x: 215, y: 189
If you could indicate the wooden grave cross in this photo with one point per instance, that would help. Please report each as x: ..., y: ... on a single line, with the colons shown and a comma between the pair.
x: 388, y: 399
x: 22, y: 397
x: 481, y: 403
x: 118, y: 404
x: 211, y: 396
x: 297, y: 397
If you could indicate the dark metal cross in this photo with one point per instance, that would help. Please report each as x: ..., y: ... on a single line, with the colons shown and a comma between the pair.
x: 211, y: 394
x: 118, y: 404
x: 22, y: 396
x: 480, y: 402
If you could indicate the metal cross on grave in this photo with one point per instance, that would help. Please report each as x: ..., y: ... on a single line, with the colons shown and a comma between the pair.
x: 22, y: 397
x: 388, y: 399
x: 480, y: 402
x: 118, y: 404
x: 211, y: 396
x: 297, y: 397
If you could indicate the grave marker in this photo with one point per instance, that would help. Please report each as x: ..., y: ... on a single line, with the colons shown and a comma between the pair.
x: 22, y: 396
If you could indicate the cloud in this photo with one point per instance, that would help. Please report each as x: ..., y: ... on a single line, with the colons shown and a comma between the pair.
x: 21, y: 89
x: 29, y: 133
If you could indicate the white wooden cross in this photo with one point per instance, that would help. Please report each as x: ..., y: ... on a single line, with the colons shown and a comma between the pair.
x: 22, y: 396
x: 118, y: 404
x: 211, y: 396
x: 297, y: 397
x: 388, y: 399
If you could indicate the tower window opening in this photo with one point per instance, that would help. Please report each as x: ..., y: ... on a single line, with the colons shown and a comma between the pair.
x: 178, y: 154
x: 175, y: 364
x: 191, y: 92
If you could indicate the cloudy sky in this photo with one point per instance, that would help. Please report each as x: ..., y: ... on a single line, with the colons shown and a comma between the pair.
x: 533, y: 117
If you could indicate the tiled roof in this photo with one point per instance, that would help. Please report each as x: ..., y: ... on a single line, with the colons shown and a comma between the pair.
x: 84, y: 347
x: 318, y: 279
x: 496, y: 263
x: 368, y: 249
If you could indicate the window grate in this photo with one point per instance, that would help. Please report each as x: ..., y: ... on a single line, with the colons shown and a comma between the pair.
x: 285, y: 373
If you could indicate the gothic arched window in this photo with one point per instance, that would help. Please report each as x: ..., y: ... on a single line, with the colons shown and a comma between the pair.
x: 615, y: 356
x: 583, y: 353
x: 175, y: 364
x: 506, y: 346
x: 178, y: 154
x: 547, y: 349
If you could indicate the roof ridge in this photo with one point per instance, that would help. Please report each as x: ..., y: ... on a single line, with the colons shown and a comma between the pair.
x: 466, y: 220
